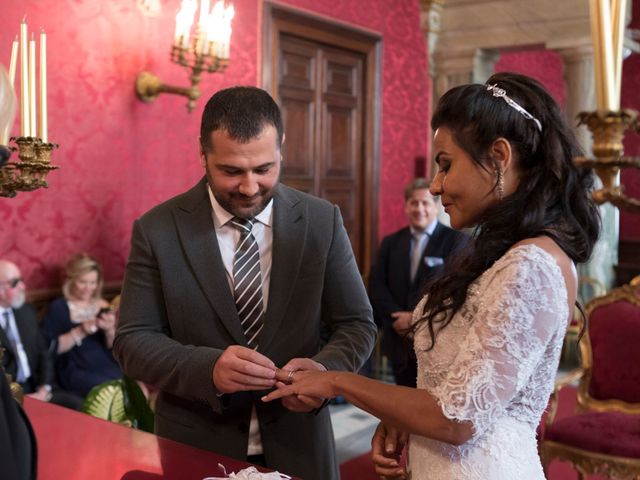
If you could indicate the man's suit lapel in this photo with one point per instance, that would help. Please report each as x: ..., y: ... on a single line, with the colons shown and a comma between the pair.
x: 198, y: 237
x: 434, y: 245
x: 289, y: 234
x: 4, y: 342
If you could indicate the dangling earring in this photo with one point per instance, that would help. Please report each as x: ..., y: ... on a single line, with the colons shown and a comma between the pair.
x: 499, y: 180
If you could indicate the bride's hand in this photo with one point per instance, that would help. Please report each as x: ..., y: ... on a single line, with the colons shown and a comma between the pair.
x: 308, y: 383
x: 387, y: 445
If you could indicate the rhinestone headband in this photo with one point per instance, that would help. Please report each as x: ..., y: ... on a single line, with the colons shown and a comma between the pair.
x: 499, y: 92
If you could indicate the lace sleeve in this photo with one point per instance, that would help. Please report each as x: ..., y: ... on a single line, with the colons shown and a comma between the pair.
x: 517, y: 309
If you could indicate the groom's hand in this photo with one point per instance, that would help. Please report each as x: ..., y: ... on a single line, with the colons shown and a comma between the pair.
x: 240, y: 368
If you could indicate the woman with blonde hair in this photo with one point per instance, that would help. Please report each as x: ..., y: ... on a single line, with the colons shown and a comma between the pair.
x: 81, y: 327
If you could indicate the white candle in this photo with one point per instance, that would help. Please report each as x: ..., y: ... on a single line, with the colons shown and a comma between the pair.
x: 618, y: 20
x: 32, y: 87
x: 4, y: 137
x: 228, y: 16
x: 601, y: 33
x: 24, y: 82
x: 12, y: 64
x: 184, y: 20
x: 43, y: 86
x: 204, y: 13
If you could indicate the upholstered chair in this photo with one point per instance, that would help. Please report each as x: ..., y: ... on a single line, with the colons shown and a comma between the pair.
x: 603, y: 436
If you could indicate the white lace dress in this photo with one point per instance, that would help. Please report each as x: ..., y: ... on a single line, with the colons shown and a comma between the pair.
x: 494, y: 365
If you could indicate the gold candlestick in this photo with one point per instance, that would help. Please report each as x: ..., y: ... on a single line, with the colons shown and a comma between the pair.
x: 30, y: 172
x: 608, y: 129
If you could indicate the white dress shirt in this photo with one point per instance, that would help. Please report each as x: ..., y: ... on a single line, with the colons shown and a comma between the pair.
x: 419, y: 241
x: 228, y: 237
x: 8, y: 324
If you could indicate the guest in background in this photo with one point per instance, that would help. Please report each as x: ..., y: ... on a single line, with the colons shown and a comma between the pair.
x: 81, y: 327
x: 27, y: 357
x: 408, y: 259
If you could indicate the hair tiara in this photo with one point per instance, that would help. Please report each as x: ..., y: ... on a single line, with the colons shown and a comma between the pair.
x: 500, y: 92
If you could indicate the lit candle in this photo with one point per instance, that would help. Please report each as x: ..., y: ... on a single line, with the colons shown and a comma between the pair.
x: 204, y: 13
x: 24, y: 81
x: 43, y: 86
x: 32, y: 87
x: 215, y: 29
x: 228, y: 16
x: 184, y: 20
x: 202, y: 27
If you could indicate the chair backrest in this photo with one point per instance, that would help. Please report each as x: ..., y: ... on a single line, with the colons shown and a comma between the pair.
x: 610, y: 352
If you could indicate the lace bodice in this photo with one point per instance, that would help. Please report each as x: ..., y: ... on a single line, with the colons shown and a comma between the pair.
x: 494, y: 365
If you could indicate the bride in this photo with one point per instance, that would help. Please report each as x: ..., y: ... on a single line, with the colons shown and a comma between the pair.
x: 489, y: 333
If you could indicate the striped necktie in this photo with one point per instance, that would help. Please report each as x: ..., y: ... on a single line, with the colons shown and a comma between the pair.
x: 247, y: 282
x: 419, y: 244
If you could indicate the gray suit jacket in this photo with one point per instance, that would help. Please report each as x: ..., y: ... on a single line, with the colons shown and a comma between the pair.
x: 178, y: 315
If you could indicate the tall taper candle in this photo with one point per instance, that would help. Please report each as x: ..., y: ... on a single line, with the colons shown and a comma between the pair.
x: 24, y: 81
x: 618, y: 20
x: 14, y: 60
x: 32, y: 86
x: 4, y: 136
x: 43, y: 86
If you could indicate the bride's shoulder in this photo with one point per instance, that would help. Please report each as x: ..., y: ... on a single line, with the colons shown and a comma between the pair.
x: 549, y: 246
x: 553, y: 250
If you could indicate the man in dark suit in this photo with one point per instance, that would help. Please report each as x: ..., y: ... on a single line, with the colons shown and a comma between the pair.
x: 408, y: 259
x: 27, y: 357
x: 228, y: 287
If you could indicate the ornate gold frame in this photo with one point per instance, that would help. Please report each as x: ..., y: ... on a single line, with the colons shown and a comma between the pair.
x: 584, y: 461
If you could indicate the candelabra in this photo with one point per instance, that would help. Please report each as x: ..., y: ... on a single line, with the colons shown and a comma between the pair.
x: 16, y: 390
x: 30, y: 172
x: 206, y: 50
x: 608, y: 129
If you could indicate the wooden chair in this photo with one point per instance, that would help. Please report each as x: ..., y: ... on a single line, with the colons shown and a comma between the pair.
x: 603, y: 436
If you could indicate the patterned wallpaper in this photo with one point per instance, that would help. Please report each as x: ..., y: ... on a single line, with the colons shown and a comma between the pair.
x: 120, y: 157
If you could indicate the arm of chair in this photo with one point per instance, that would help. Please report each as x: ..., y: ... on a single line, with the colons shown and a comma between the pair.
x: 561, y: 382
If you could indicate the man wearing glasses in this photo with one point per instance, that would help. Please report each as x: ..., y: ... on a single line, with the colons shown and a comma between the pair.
x: 26, y: 355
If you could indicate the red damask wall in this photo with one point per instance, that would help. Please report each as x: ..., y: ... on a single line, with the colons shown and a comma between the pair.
x: 119, y: 157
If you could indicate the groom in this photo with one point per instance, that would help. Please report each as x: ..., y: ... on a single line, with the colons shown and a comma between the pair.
x: 233, y: 279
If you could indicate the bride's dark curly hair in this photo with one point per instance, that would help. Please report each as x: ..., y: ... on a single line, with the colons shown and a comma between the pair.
x: 553, y: 197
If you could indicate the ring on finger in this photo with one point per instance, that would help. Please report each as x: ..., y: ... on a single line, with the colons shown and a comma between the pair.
x: 290, y: 376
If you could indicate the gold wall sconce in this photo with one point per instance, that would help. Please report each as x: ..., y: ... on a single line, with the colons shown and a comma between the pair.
x: 206, y: 49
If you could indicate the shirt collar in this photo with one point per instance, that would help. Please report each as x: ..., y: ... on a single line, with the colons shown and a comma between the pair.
x: 2, y: 316
x: 221, y: 217
x: 429, y: 230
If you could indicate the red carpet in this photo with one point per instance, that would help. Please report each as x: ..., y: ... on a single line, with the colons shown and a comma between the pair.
x: 361, y: 468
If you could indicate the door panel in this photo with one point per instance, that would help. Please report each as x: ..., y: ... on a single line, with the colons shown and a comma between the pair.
x: 320, y: 89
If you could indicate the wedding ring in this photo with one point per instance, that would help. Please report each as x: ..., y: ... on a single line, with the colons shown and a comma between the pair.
x: 290, y: 376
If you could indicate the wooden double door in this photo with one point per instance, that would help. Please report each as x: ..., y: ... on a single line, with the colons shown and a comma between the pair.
x: 322, y: 90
